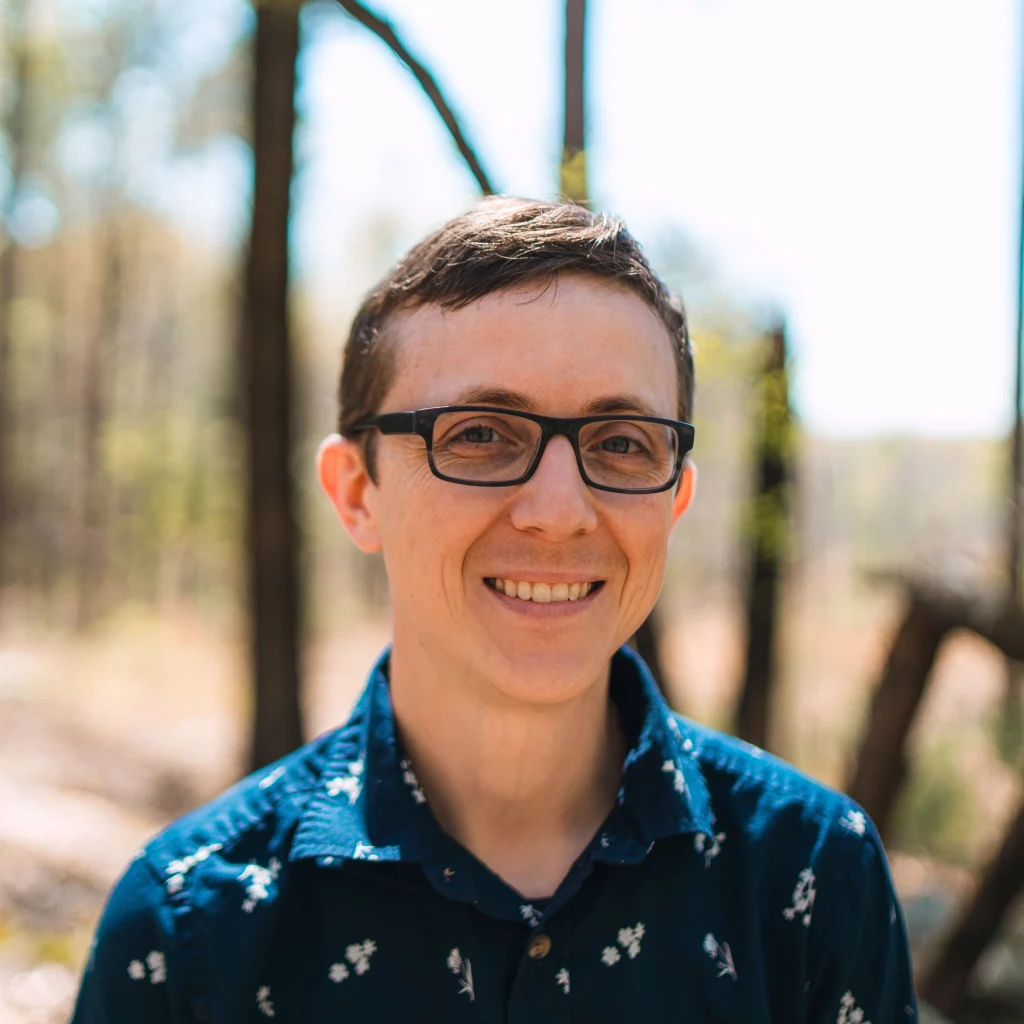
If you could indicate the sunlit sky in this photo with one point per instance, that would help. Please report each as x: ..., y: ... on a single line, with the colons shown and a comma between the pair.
x: 856, y: 166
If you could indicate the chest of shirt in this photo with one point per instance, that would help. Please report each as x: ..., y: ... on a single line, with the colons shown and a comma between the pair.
x: 669, y: 939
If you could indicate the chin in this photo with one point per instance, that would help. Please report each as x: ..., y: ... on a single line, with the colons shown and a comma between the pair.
x: 546, y: 675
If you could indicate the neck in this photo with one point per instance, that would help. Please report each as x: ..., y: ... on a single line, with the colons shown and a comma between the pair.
x: 522, y: 787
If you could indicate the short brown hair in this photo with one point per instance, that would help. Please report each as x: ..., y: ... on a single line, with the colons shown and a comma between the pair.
x: 500, y: 243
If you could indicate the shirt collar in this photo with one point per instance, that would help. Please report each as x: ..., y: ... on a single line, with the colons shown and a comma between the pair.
x: 369, y: 805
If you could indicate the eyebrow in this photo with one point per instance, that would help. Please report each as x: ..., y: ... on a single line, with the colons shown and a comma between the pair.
x: 517, y: 400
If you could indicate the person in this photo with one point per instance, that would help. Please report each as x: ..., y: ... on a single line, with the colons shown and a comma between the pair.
x: 512, y: 825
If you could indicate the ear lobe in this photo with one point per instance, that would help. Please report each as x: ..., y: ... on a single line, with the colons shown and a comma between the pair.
x: 342, y: 474
x: 687, y: 487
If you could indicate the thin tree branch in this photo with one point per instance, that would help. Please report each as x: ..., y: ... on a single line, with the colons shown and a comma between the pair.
x: 384, y: 31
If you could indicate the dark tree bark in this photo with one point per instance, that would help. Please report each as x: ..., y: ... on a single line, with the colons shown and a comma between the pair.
x: 933, y: 612
x: 881, y: 765
x: 945, y: 980
x: 266, y: 370
x: 574, y: 183
x: 16, y: 130
x: 93, y: 504
x: 384, y: 30
x: 769, y: 535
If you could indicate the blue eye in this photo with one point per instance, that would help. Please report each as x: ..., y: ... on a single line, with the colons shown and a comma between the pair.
x: 478, y: 434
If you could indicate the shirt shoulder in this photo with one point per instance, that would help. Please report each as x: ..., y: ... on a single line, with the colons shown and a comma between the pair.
x: 777, y: 806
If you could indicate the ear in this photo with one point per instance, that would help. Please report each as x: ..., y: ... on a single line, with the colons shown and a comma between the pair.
x: 342, y: 473
x: 684, y: 493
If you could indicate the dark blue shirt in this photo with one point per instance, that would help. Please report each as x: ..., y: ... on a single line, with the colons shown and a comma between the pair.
x: 725, y: 886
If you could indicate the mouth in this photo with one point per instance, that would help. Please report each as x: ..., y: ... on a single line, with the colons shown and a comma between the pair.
x: 544, y: 593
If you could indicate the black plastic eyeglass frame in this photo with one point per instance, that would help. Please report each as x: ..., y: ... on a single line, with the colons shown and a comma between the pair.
x: 421, y: 422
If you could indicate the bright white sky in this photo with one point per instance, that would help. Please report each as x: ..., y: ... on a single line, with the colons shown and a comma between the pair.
x: 856, y: 165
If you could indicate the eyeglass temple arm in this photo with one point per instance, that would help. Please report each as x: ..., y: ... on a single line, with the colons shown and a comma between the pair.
x: 391, y: 423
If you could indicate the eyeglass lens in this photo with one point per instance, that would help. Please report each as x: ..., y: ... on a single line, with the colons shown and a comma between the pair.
x: 488, y: 447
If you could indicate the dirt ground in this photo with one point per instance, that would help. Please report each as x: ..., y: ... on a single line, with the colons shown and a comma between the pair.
x: 102, y: 742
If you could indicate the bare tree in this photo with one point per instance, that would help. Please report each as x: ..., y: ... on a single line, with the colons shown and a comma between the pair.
x: 266, y: 370
x: 574, y: 183
x: 384, y: 30
x: 16, y: 131
x: 769, y: 532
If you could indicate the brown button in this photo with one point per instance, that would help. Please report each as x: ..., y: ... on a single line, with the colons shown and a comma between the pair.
x: 540, y: 946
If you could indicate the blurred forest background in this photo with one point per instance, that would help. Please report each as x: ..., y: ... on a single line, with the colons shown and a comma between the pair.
x: 178, y: 605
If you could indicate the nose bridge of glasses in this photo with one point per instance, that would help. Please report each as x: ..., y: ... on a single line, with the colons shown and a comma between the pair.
x: 563, y: 438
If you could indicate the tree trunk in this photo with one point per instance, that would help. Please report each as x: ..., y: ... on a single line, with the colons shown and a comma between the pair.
x: 271, y: 533
x: 574, y: 183
x: 933, y: 612
x: 769, y: 536
x: 881, y: 764
x: 945, y: 981
x: 94, y: 504
x: 16, y: 130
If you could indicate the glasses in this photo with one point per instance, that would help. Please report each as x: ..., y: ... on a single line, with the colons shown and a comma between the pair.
x: 484, y: 446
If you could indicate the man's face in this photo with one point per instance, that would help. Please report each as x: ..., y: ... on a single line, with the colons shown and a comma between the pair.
x: 560, y: 351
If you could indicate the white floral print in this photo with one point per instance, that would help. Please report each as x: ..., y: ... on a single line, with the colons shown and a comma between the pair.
x: 266, y: 1007
x: 260, y: 879
x: 530, y: 914
x: 849, y: 1012
x: 464, y: 970
x: 359, y: 953
x: 338, y: 972
x: 562, y: 978
x: 350, y: 784
x: 803, y: 898
x: 157, y: 968
x: 721, y: 954
x: 268, y: 780
x: 678, y: 780
x: 364, y: 851
x: 629, y: 940
x: 855, y: 821
x: 409, y: 778
x: 710, y: 851
x: 178, y: 869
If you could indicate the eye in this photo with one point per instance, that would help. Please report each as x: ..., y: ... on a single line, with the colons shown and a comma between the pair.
x: 478, y: 434
x: 622, y: 445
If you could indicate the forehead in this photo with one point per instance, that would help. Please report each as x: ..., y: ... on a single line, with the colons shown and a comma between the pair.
x: 564, y: 345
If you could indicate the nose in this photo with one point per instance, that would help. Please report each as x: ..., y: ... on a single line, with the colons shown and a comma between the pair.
x: 555, y: 501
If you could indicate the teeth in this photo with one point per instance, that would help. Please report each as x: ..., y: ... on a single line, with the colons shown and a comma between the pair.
x: 542, y: 593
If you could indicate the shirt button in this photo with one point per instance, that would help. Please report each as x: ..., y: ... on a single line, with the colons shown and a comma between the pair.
x: 540, y: 946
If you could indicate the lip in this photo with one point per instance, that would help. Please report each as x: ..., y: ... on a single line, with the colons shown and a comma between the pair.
x: 548, y: 610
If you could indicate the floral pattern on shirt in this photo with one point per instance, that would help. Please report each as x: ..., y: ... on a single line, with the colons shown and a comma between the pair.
x: 849, y: 1012
x: 710, y: 849
x: 464, y: 969
x: 351, y: 783
x: 157, y: 965
x: 409, y: 778
x: 721, y: 954
x: 803, y: 898
x: 629, y: 940
x: 179, y: 868
x: 562, y: 979
x: 263, y: 1001
x: 260, y: 879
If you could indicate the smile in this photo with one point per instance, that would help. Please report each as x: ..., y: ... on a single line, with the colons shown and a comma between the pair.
x: 543, y: 593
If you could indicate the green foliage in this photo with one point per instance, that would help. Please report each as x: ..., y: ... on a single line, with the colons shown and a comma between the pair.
x: 937, y: 813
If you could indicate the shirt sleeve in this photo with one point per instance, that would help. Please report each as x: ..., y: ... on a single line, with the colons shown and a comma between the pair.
x: 126, y: 975
x: 862, y: 974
